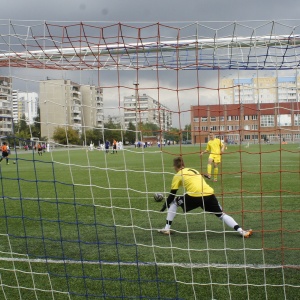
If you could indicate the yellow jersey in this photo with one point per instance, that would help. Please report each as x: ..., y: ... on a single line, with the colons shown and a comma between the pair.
x: 192, y: 182
x: 214, y: 146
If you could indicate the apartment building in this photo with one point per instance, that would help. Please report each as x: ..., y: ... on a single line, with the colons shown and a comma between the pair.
x: 92, y: 106
x: 6, y: 110
x: 25, y: 103
x: 247, y: 122
x: 260, y: 90
x: 68, y: 104
x: 144, y: 109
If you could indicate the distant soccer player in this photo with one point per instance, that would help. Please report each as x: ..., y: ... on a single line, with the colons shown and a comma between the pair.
x: 114, y: 146
x: 107, y: 144
x: 216, y: 148
x: 40, y: 149
x: 197, y: 194
x: 5, y: 152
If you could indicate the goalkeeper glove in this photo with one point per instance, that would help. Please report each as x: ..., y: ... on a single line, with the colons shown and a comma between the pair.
x: 164, y: 207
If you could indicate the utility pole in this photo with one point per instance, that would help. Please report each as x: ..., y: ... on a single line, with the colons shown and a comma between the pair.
x: 135, y: 83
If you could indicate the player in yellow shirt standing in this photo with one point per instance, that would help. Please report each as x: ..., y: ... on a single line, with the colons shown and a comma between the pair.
x: 197, y: 193
x: 215, y: 147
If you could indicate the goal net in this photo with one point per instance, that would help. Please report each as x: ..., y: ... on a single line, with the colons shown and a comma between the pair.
x: 94, y: 114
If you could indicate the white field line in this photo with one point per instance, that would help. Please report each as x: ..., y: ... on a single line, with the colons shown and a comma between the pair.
x: 183, y: 265
x: 284, y: 195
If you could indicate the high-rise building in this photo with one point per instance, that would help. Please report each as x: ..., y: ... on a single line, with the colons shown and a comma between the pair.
x: 92, y: 106
x: 260, y: 90
x: 64, y: 103
x: 146, y: 110
x: 25, y: 104
x: 6, y: 111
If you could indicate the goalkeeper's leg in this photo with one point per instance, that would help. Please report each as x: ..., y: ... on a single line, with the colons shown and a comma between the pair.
x: 170, y: 217
x: 229, y: 221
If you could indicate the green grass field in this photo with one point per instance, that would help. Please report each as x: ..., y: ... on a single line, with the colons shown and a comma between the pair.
x: 83, y: 225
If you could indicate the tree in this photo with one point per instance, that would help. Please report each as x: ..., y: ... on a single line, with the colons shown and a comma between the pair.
x: 92, y: 135
x: 36, y: 127
x: 130, y: 133
x: 63, y: 136
x: 22, y: 130
x: 112, y: 131
x: 149, y: 129
x: 173, y: 135
x: 186, y: 133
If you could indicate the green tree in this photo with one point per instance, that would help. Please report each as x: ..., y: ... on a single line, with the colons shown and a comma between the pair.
x: 186, y: 133
x: 130, y: 133
x: 36, y: 127
x: 112, y: 131
x: 63, y: 136
x: 22, y: 130
x: 92, y: 135
x: 173, y: 135
x: 149, y: 129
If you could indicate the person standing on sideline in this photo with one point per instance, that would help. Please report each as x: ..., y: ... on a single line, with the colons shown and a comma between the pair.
x: 5, y: 152
x: 216, y: 148
x: 197, y: 194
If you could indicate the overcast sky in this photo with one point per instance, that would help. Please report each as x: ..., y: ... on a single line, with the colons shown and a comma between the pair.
x: 178, y: 13
x: 154, y: 10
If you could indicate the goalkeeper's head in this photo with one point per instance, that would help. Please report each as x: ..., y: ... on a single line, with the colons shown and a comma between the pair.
x: 178, y: 163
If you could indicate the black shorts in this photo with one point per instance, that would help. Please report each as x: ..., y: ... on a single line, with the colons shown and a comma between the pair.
x: 4, y: 154
x: 207, y: 203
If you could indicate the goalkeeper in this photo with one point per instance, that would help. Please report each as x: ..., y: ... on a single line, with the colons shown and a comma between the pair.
x: 197, y: 194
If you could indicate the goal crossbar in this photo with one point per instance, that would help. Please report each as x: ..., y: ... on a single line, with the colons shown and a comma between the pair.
x: 212, y: 53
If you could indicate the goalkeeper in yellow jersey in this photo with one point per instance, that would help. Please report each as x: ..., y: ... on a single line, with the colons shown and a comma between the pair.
x: 215, y: 147
x: 197, y: 193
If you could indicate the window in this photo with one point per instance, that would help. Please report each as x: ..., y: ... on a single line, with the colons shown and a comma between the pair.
x: 297, y: 120
x: 204, y: 119
x: 196, y: 119
x: 213, y: 128
x: 247, y: 137
x: 254, y: 127
x: 222, y: 118
x: 246, y: 118
x: 236, y: 118
x: 267, y: 121
x: 204, y: 128
x: 254, y: 117
x: 229, y: 118
x: 213, y: 119
x: 284, y: 120
x: 222, y: 128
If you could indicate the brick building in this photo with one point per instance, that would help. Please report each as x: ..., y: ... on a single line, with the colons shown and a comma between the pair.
x: 246, y: 122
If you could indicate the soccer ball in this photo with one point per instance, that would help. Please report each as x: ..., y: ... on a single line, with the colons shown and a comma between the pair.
x: 158, y: 197
x: 14, y: 162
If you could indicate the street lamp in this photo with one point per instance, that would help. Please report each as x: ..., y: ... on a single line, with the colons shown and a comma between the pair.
x: 135, y: 83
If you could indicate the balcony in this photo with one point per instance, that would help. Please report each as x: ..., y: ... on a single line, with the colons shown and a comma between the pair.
x: 77, y: 118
